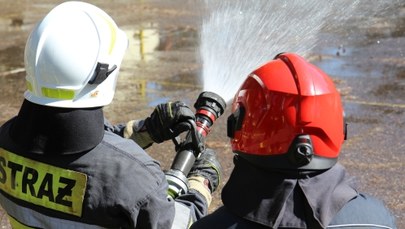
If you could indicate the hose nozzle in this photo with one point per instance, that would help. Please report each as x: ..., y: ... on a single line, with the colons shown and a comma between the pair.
x: 209, y: 107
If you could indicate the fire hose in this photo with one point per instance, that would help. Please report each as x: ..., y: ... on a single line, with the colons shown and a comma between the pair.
x: 209, y: 107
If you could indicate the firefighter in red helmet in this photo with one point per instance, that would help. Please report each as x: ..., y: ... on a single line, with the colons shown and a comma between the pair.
x: 286, y: 129
x: 292, y: 116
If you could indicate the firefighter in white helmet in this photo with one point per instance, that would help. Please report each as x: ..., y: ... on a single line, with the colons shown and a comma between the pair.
x: 62, y: 165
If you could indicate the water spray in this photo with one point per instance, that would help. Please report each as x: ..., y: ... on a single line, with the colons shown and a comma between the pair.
x: 209, y: 107
x: 239, y: 36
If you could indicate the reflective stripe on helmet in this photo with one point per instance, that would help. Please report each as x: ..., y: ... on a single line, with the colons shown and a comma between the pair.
x: 29, y: 86
x: 57, y: 93
x: 53, y: 93
x: 113, y: 33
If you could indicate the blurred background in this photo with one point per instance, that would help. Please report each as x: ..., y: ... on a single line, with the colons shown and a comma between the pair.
x: 364, y: 56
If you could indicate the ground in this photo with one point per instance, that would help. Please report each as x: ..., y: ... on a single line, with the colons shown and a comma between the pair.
x: 368, y: 69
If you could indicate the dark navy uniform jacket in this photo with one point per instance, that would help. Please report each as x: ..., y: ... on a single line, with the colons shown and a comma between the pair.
x: 255, y: 198
x: 68, y: 169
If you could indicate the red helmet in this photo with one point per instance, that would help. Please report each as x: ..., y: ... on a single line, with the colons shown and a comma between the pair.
x: 288, y: 114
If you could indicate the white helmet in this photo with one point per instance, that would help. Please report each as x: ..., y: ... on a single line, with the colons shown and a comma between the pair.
x: 73, y: 56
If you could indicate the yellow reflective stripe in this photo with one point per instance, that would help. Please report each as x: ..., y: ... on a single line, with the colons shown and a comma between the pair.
x: 29, y: 85
x: 32, y: 218
x: 113, y: 30
x: 42, y: 184
x: 17, y: 225
x: 58, y: 93
x: 113, y: 36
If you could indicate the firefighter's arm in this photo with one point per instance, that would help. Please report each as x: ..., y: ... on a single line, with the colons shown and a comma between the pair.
x: 203, y: 179
x: 205, y: 175
x: 161, y: 211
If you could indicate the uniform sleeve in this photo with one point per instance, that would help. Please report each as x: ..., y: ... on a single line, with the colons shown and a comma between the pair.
x: 195, y: 203
x: 157, y: 212
x: 116, y: 129
x: 364, y: 210
x: 143, y: 191
x: 131, y: 130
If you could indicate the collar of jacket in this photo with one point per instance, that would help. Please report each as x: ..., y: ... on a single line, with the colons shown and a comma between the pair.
x: 54, y: 131
x: 287, y: 199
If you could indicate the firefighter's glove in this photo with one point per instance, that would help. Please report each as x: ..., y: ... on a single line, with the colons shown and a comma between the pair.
x: 168, y: 120
x: 205, y: 174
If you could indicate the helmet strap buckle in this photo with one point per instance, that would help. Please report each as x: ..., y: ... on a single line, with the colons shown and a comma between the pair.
x: 101, y: 73
x: 301, y: 150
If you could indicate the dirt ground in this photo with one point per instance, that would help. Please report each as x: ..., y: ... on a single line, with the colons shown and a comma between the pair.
x: 161, y: 65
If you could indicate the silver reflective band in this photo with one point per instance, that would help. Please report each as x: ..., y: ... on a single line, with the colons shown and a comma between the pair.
x: 35, y: 219
x: 354, y: 225
x: 182, y: 216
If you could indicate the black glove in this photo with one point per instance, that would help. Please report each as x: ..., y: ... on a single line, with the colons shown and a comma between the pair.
x: 208, y: 166
x: 168, y: 120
